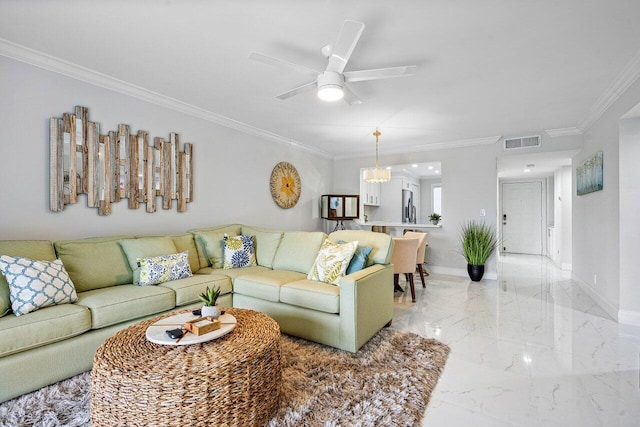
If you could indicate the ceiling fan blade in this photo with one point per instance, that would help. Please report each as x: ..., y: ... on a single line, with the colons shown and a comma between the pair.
x: 350, y: 97
x: 379, y: 73
x: 342, y: 50
x: 300, y: 89
x: 281, y: 63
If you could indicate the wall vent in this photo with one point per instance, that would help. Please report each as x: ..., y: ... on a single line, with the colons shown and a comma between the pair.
x: 521, y: 142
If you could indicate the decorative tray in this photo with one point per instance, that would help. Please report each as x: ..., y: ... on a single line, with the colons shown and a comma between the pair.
x: 156, y: 333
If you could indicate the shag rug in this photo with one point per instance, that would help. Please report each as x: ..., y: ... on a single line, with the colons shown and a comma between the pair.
x: 387, y: 382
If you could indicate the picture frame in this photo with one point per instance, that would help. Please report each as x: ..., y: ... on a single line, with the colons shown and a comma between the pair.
x: 589, y: 175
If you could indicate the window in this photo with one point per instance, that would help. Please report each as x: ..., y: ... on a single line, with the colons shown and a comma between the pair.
x: 436, y: 198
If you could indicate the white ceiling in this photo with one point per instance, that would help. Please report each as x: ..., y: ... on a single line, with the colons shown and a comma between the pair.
x: 485, y: 68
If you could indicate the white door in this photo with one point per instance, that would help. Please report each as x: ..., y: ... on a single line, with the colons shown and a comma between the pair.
x: 522, y: 217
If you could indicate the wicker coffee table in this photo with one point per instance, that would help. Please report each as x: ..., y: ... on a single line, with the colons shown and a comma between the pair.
x: 233, y: 380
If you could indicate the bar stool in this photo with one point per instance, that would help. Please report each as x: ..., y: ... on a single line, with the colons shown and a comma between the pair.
x: 422, y: 248
x: 403, y: 259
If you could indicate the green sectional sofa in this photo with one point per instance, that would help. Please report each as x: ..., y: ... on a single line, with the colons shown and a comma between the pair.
x: 57, y: 342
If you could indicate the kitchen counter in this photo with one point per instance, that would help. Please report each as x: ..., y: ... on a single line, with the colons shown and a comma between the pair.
x: 395, y: 224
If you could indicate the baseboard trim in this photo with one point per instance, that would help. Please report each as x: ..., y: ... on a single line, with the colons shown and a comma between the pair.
x: 629, y: 317
x: 608, y: 307
x: 461, y: 272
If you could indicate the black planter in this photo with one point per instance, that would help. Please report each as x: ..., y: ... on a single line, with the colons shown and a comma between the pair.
x: 475, y: 272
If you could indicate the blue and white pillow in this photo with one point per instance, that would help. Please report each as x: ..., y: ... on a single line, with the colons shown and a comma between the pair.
x: 239, y: 251
x: 36, y: 284
x: 163, y: 268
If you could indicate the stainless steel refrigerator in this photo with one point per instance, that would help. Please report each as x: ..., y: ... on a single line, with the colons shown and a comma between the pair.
x: 408, y: 210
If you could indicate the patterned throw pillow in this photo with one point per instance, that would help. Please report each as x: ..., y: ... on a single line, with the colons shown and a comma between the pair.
x: 332, y: 261
x: 239, y: 251
x: 160, y: 269
x: 36, y: 284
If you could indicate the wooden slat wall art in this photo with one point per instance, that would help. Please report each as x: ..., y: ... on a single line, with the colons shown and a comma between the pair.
x: 56, y: 195
x: 82, y: 149
x: 116, y: 165
x: 92, y: 157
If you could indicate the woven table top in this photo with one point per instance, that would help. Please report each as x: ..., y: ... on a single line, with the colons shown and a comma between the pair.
x: 129, y: 349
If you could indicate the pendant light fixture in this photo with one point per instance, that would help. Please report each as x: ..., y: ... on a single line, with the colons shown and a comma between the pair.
x: 377, y: 174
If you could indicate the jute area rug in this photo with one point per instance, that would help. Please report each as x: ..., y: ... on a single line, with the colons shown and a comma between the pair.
x: 387, y: 383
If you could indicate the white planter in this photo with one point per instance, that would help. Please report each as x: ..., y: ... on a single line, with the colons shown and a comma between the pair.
x: 213, y: 311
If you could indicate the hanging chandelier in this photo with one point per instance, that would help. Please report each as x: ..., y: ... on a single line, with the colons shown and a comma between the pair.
x: 377, y: 174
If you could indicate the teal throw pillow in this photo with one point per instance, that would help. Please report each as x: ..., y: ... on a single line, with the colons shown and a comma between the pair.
x: 36, y: 284
x: 163, y: 268
x: 359, y: 260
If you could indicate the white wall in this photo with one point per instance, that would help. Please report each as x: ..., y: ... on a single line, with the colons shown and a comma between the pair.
x: 562, y: 218
x: 596, y: 216
x: 629, y: 311
x: 231, y: 169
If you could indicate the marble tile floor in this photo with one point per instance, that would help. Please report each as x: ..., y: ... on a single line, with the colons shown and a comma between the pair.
x: 531, y: 349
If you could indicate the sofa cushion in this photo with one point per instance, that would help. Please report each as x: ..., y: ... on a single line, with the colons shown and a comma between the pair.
x: 34, y: 249
x: 42, y: 327
x: 187, y: 290
x: 217, y: 234
x: 95, y: 263
x: 186, y: 242
x: 332, y: 261
x: 36, y: 284
x: 265, y: 285
x: 267, y: 242
x: 234, y: 272
x: 298, y: 250
x: 311, y: 294
x: 382, y: 243
x: 126, y: 302
x: 239, y: 252
x: 164, y: 268
x: 146, y: 247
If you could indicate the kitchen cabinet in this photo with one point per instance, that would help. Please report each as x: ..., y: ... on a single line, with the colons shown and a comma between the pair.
x: 369, y: 193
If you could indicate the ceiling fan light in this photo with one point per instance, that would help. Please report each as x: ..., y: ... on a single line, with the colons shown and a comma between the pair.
x: 330, y: 93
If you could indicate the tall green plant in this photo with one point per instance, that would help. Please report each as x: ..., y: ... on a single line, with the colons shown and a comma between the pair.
x: 478, y: 241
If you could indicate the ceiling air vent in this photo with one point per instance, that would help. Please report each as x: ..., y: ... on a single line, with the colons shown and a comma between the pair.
x: 522, y: 142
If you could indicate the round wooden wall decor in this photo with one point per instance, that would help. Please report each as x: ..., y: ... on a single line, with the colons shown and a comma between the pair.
x: 285, y: 185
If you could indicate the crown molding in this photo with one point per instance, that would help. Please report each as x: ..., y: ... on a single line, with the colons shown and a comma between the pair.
x: 48, y: 62
x: 427, y: 147
x: 625, y: 79
x: 554, y: 133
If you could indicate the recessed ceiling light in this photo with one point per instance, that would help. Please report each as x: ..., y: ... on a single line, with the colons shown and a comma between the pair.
x: 437, y: 171
x: 527, y: 170
x: 414, y: 165
x: 430, y: 168
x: 389, y: 167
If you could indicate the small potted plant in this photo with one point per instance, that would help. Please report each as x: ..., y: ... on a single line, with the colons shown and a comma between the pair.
x: 435, y: 218
x: 209, y: 297
x: 478, y: 241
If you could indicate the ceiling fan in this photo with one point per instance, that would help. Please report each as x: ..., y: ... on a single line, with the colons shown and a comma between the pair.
x: 332, y: 82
